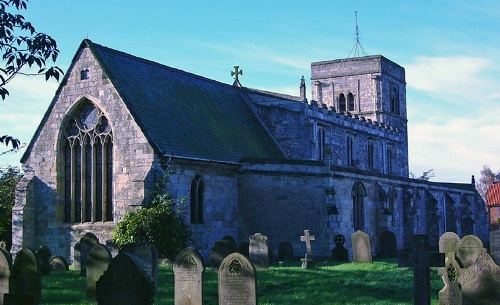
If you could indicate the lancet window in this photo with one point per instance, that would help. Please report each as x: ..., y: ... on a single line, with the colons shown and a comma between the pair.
x: 88, y: 166
x: 197, y: 192
x: 350, y: 101
x: 342, y: 104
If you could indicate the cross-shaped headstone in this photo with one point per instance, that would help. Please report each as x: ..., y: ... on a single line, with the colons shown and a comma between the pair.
x: 307, y: 238
x: 420, y: 260
x: 236, y: 72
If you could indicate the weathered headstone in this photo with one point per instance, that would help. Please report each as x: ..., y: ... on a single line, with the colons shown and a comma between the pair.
x: 480, y: 282
x: 5, y: 266
x: 188, y: 276
x: 361, y: 249
x: 113, y: 247
x: 219, y: 251
x: 421, y: 261
x: 147, y: 255
x: 25, y: 283
x: 259, y: 251
x: 244, y: 248
x: 81, y: 252
x: 469, y: 248
x: 448, y: 242
x: 308, y: 260
x: 339, y: 253
x: 125, y: 283
x: 230, y: 239
x: 97, y: 262
x: 451, y: 294
x: 237, y: 281
x: 285, y: 251
x: 388, y: 246
x: 43, y: 255
x: 495, y: 246
x: 58, y: 263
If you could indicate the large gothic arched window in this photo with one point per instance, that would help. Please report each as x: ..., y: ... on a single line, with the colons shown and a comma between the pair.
x: 358, y: 205
x: 88, y: 166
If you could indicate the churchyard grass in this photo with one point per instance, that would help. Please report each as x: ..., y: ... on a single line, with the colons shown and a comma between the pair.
x: 380, y: 283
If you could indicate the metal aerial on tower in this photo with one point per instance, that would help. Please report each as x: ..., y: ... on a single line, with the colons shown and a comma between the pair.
x: 357, y: 46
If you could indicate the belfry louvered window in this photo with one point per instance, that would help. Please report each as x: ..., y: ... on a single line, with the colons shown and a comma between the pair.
x: 88, y: 166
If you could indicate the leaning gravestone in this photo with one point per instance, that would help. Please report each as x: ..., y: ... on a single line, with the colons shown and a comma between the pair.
x: 361, y: 248
x: 451, y: 294
x: 43, y: 255
x: 219, y: 251
x: 5, y: 266
x: 495, y: 246
x: 147, y: 254
x: 480, y: 282
x: 259, y: 251
x: 97, y: 262
x: 308, y: 260
x: 469, y: 248
x: 448, y: 242
x: 188, y: 276
x: 237, y: 281
x: 388, y: 247
x: 58, y: 263
x: 25, y: 280
x: 125, y: 283
x: 82, y: 250
x: 339, y: 253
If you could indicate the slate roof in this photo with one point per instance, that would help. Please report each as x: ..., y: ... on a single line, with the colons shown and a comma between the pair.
x: 186, y: 115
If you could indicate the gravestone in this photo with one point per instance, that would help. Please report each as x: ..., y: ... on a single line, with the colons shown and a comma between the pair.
x: 25, y: 283
x: 469, y: 248
x: 97, y: 262
x: 244, y: 249
x: 285, y: 251
x: 361, y: 249
x: 5, y: 266
x: 451, y: 294
x: 495, y: 246
x: 3, y: 245
x: 480, y: 282
x: 448, y: 242
x: 58, y: 263
x: 387, y: 246
x: 188, y: 277
x: 81, y: 252
x: 125, y: 283
x: 43, y: 255
x: 421, y: 261
x: 237, y: 281
x: 112, y: 247
x: 219, y: 251
x: 230, y: 239
x: 308, y: 260
x: 259, y: 251
x: 147, y: 255
x: 339, y: 253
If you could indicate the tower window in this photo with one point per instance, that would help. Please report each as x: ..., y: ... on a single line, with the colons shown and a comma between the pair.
x: 197, y: 190
x: 394, y: 100
x: 342, y: 104
x: 350, y: 101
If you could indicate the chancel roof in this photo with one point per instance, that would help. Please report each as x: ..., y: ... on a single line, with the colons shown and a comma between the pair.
x: 186, y: 115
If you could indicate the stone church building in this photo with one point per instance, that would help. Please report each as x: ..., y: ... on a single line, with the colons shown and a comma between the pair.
x: 245, y: 160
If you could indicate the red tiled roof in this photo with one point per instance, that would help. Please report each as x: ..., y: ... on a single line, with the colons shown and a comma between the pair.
x: 493, y: 195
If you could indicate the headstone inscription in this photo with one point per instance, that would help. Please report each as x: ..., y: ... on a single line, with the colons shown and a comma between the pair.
x: 25, y: 283
x: 58, y: 263
x: 259, y: 251
x: 285, y: 251
x: 388, y: 247
x: 480, y: 282
x: 451, y: 294
x: 188, y: 276
x: 495, y: 246
x: 219, y: 251
x: 469, y: 248
x: 421, y: 261
x: 125, y: 283
x: 339, y: 253
x: 147, y: 254
x: 308, y: 260
x: 43, y: 255
x: 361, y: 248
x: 5, y: 266
x: 97, y: 262
x: 448, y: 242
x: 237, y: 281
x: 81, y: 252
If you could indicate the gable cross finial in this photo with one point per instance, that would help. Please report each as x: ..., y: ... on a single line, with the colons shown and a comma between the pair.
x: 236, y: 72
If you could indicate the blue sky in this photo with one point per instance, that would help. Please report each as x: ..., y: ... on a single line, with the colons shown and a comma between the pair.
x: 450, y: 50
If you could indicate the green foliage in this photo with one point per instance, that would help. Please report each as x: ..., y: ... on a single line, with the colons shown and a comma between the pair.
x: 8, y: 180
x: 426, y: 176
x: 162, y: 224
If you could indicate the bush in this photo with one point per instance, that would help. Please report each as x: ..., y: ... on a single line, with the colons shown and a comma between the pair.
x: 9, y: 178
x: 162, y: 224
